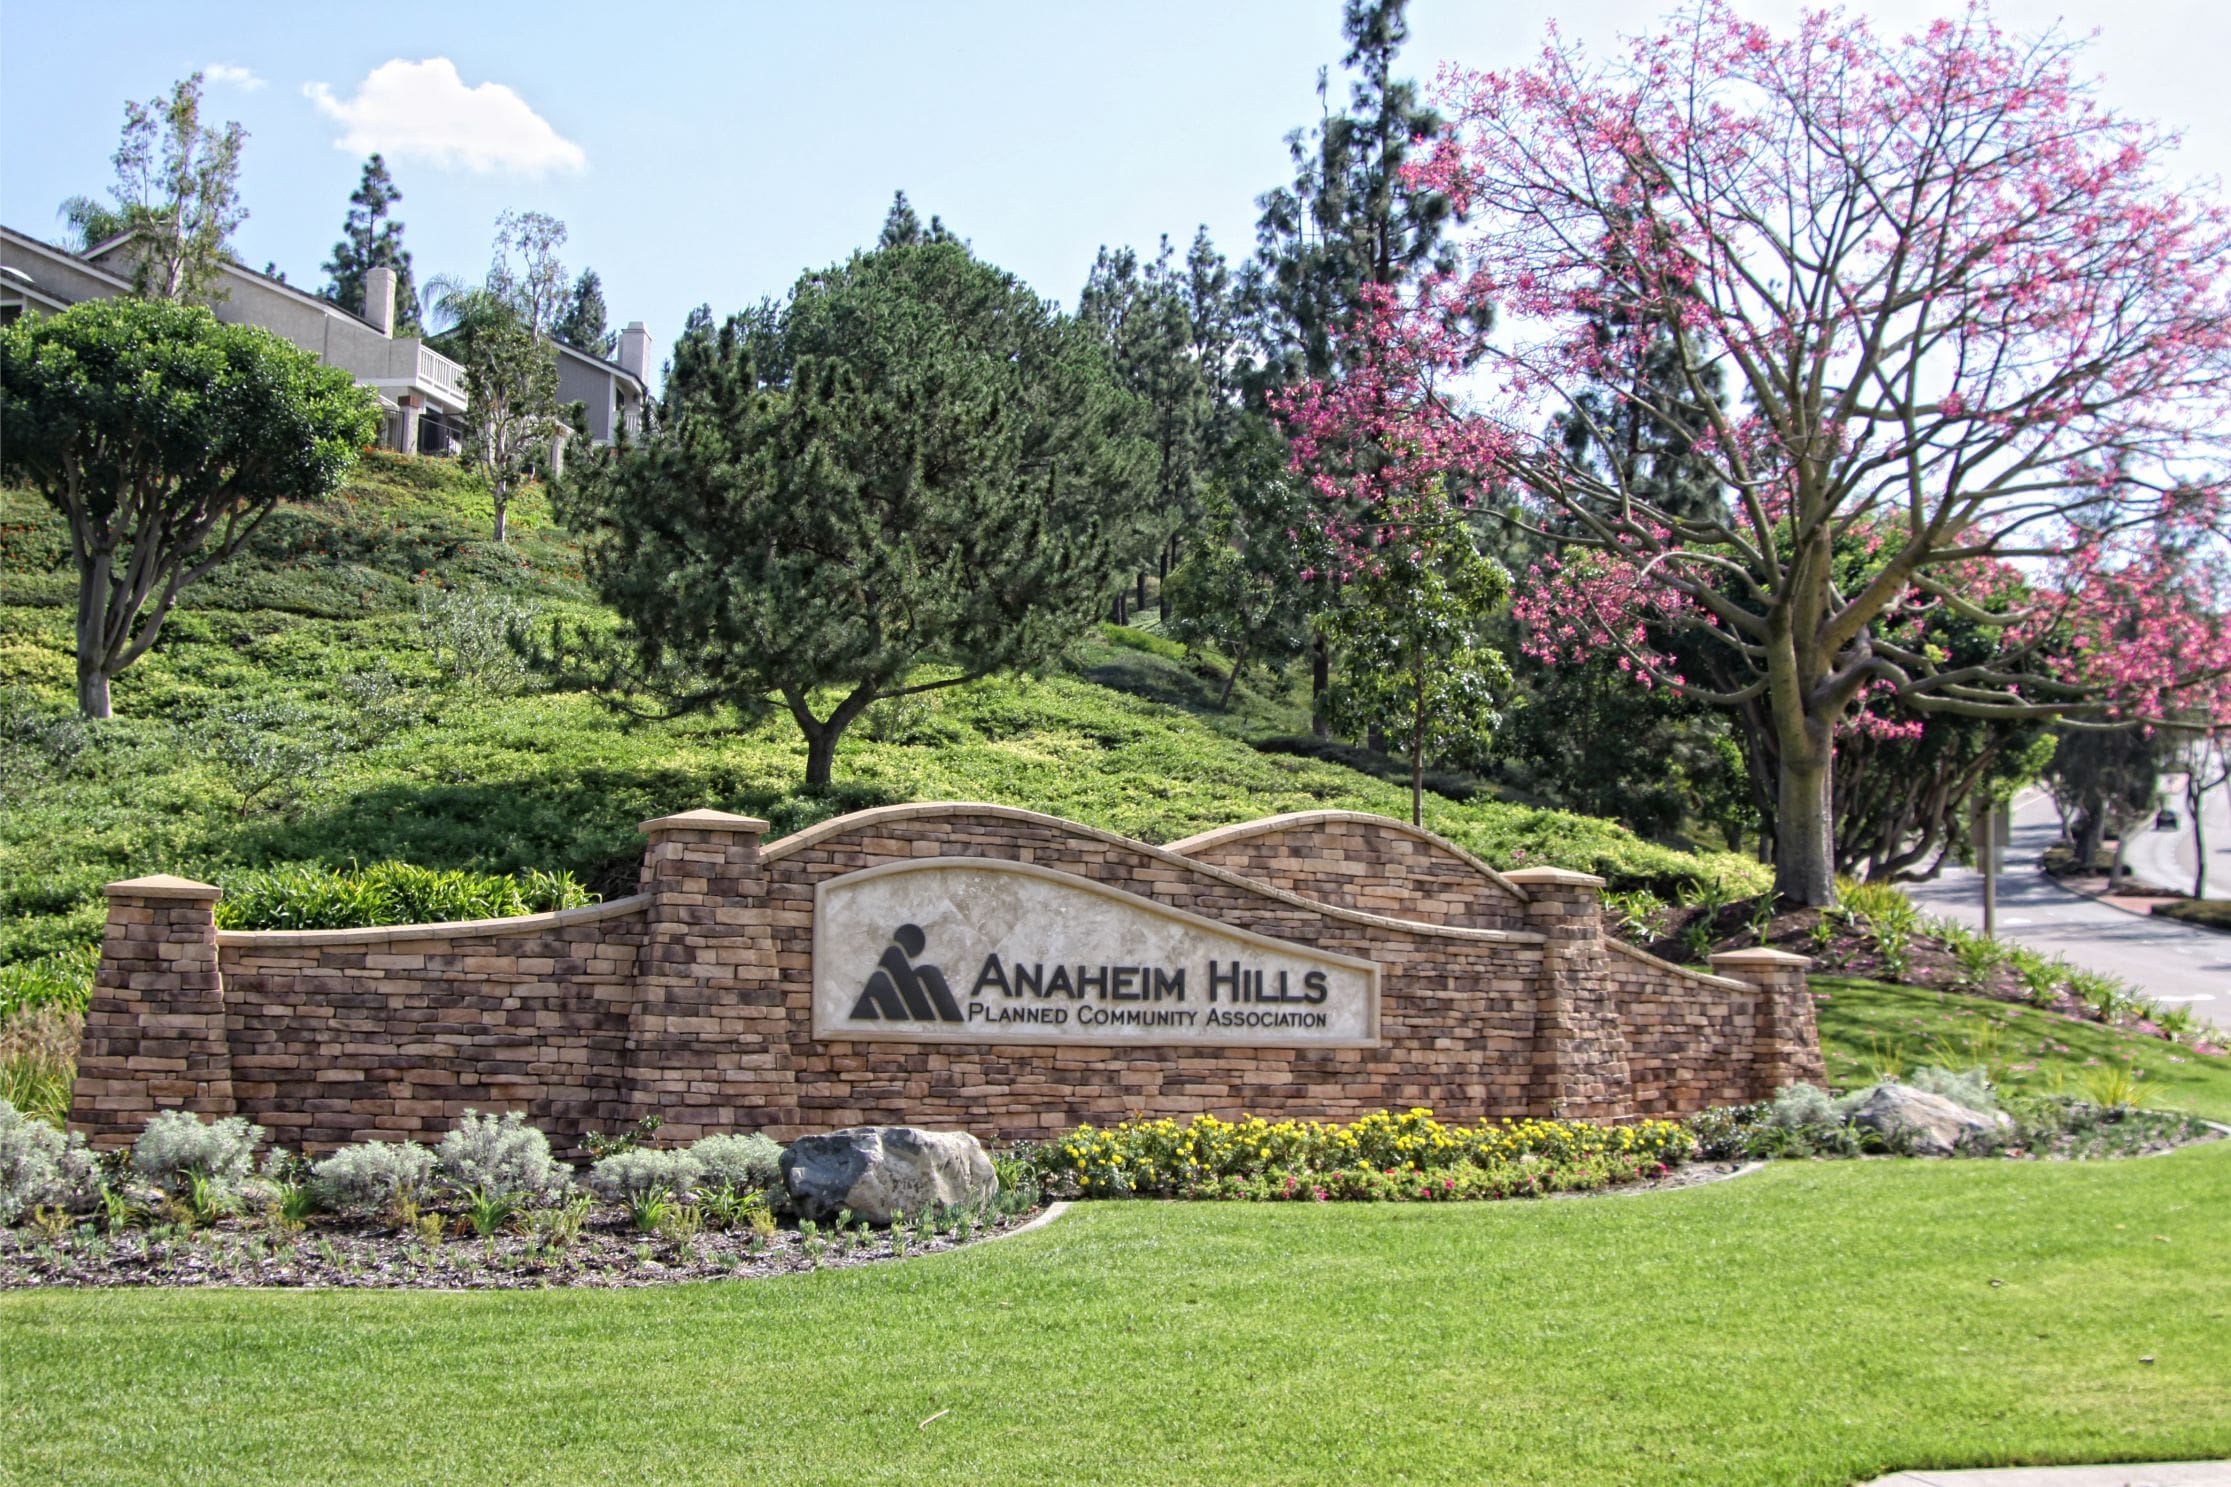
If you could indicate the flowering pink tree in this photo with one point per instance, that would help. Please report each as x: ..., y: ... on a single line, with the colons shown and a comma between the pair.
x: 1924, y: 290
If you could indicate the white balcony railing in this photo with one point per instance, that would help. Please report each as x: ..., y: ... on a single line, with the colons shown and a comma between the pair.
x: 439, y: 372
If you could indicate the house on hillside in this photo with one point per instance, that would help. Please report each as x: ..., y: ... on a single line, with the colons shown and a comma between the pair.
x: 421, y: 391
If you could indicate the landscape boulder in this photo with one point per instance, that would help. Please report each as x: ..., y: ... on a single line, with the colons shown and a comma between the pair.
x: 879, y: 1171
x: 1931, y: 1124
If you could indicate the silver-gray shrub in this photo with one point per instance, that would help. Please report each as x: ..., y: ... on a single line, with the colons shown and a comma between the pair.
x: 1799, y: 1105
x: 628, y: 1174
x: 39, y: 1165
x: 1968, y: 1087
x: 501, y: 1155
x: 177, y: 1144
x: 744, y: 1163
x: 371, y: 1173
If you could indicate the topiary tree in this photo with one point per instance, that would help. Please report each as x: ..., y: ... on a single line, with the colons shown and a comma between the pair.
x: 165, y: 438
x: 915, y: 460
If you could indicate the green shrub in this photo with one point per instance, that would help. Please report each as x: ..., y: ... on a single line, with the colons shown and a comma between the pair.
x: 177, y: 1148
x: 628, y: 1175
x: 373, y: 1174
x: 1970, y: 1088
x: 387, y: 893
x: 39, y: 1166
x: 495, y: 1157
x: 62, y: 980
x: 746, y: 1163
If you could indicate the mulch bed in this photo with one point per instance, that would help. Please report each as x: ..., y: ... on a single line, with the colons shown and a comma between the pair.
x: 331, y: 1253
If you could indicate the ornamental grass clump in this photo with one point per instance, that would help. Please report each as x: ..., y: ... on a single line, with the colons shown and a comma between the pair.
x: 629, y: 1175
x: 189, y: 1160
x: 373, y: 1175
x: 1381, y: 1156
x: 40, y: 1167
x: 500, y: 1156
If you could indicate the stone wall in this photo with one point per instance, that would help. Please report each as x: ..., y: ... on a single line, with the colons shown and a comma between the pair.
x: 1500, y: 995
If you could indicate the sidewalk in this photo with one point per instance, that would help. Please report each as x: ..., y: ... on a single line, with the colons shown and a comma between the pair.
x: 2156, y: 1474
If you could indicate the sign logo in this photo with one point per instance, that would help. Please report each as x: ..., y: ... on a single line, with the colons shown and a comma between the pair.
x: 899, y: 991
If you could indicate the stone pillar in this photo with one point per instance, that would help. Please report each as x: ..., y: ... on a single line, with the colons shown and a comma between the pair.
x: 155, y: 1027
x: 708, y: 995
x: 1580, y: 1048
x: 407, y: 407
x: 1785, y: 1043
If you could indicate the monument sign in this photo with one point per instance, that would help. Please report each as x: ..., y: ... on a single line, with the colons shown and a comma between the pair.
x: 978, y: 950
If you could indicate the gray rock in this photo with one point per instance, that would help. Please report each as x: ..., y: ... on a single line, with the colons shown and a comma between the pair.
x: 877, y: 1171
x: 1932, y: 1124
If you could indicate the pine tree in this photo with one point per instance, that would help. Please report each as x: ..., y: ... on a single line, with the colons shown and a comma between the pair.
x: 902, y: 226
x: 1349, y: 219
x: 913, y: 473
x: 370, y: 239
x: 583, y: 325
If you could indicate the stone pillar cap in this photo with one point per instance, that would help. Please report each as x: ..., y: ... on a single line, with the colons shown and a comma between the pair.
x: 1760, y: 956
x: 1558, y: 876
x: 706, y: 821
x: 164, y: 885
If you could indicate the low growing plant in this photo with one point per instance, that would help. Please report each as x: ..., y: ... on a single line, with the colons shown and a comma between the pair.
x: 373, y: 1174
x: 500, y: 1154
x: 40, y: 1166
x: 622, y: 1177
x: 739, y: 1161
x: 178, y: 1147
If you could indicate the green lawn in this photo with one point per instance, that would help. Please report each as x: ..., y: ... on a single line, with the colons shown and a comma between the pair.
x: 1868, y: 1028
x: 1814, y: 1323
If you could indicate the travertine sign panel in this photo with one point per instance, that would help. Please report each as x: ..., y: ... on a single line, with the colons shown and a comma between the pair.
x: 973, y: 950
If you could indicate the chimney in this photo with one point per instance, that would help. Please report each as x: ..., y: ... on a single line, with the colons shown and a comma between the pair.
x: 635, y: 350
x: 379, y: 298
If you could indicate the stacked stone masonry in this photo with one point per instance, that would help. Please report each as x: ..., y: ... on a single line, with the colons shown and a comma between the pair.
x: 691, y: 999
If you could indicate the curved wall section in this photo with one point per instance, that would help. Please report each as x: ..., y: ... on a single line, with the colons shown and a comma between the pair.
x: 1033, y: 973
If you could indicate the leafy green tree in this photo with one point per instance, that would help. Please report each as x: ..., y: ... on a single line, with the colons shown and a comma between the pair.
x: 912, y: 462
x: 371, y: 238
x: 511, y: 393
x: 582, y: 325
x: 164, y: 438
x: 91, y: 221
x: 526, y: 272
x: 178, y: 186
x: 1245, y: 584
x: 1415, y: 659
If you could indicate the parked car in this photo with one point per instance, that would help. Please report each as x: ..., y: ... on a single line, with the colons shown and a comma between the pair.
x: 2165, y: 819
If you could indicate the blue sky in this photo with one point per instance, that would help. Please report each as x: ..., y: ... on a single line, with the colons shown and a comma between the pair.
x: 711, y: 152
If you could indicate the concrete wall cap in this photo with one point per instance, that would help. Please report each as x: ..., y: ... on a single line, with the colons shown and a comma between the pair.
x: 1561, y: 876
x: 164, y: 885
x: 1759, y: 957
x: 705, y: 821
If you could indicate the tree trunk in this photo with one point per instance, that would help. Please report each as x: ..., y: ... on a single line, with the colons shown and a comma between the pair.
x: 1805, y: 836
x: 92, y: 687
x: 1231, y: 679
x: 2196, y: 800
x: 1162, y: 580
x: 1320, y: 680
x: 1142, y: 589
x: 502, y: 500
x: 1417, y: 778
x: 2091, y: 828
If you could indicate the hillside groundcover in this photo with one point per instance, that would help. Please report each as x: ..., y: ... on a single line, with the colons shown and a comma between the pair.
x: 195, y: 1203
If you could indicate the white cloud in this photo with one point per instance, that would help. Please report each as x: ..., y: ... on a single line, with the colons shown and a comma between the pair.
x: 225, y: 75
x: 423, y: 111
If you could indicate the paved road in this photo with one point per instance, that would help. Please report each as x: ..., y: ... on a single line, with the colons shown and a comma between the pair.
x: 2166, y: 859
x: 2172, y: 963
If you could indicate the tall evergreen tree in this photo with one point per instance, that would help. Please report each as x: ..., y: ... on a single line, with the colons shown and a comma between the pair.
x: 902, y: 226
x: 371, y: 238
x: 583, y: 325
x: 1348, y: 220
